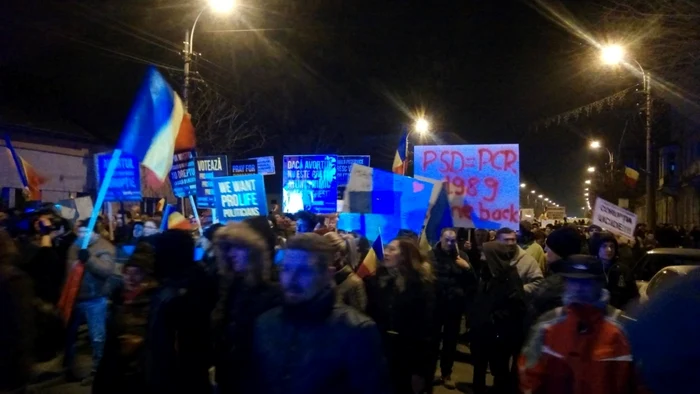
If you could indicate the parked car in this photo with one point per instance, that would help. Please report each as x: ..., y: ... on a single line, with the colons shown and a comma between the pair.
x: 657, y: 259
x: 663, y: 278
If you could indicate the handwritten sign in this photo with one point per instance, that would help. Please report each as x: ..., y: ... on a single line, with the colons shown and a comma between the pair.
x: 266, y: 165
x: 556, y: 213
x: 244, y: 167
x: 182, y: 174
x: 239, y: 197
x: 614, y: 219
x: 344, y: 167
x: 208, y: 168
x: 126, y: 181
x: 309, y: 183
x: 482, y: 181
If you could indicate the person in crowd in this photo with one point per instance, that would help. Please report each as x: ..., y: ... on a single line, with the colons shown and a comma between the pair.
x: 296, y: 346
x: 177, y: 349
x: 527, y: 266
x: 527, y: 242
x: 305, y: 222
x: 17, y: 325
x: 246, y: 293
x: 363, y: 247
x: 548, y: 229
x: 401, y: 302
x: 619, y: 280
x: 492, y: 235
x: 151, y: 227
x: 122, y: 232
x: 592, y: 229
x: 349, y: 288
x: 497, y: 317
x: 41, y: 259
x: 455, y: 283
x: 262, y: 226
x: 540, y: 238
x: 584, y: 328
x: 91, y: 300
x: 560, y: 245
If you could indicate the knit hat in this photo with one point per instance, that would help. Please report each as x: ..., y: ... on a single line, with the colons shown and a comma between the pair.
x: 598, y: 239
x: 565, y: 242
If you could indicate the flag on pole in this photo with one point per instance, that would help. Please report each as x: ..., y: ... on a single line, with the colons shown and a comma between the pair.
x: 400, y: 156
x: 439, y: 217
x: 158, y: 126
x: 30, y: 178
x: 631, y: 176
x: 371, y: 262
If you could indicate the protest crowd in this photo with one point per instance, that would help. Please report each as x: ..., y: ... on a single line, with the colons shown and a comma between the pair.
x: 290, y: 304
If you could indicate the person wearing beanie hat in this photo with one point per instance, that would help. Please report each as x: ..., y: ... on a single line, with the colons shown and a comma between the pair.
x: 618, y: 277
x: 562, y: 243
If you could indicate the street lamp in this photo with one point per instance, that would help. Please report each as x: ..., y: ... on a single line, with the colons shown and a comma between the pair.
x: 533, y: 192
x: 540, y: 196
x: 588, y: 182
x: 219, y: 7
x: 615, y: 54
x: 422, y: 126
x: 522, y: 185
x: 591, y: 169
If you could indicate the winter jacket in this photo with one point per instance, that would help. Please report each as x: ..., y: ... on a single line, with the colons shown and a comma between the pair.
x: 578, y: 349
x: 317, y: 347
x: 349, y: 289
x: 17, y: 327
x: 453, y: 283
x: 535, y: 250
x: 234, y: 331
x: 98, y: 268
x: 404, y: 319
x: 529, y: 271
x: 548, y: 295
x: 620, y: 283
x: 499, y: 304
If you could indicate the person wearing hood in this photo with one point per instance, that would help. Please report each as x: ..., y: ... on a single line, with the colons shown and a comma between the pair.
x: 528, y: 269
x: 497, y: 317
x: 91, y: 300
x: 560, y: 244
x: 527, y: 242
x: 311, y: 344
x: 619, y: 280
x: 246, y: 293
x: 455, y: 283
x: 349, y: 288
x: 580, y: 347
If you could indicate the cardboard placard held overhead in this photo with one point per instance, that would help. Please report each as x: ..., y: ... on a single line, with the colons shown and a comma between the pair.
x: 309, y: 183
x: 240, y: 196
x: 612, y: 218
x: 344, y: 167
x: 266, y: 165
x: 126, y: 181
x: 208, y: 168
x: 183, y: 177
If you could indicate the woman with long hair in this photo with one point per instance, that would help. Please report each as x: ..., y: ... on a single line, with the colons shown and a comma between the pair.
x: 400, y: 299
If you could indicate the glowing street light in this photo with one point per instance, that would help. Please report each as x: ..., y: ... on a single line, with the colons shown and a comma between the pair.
x: 533, y: 192
x: 586, y: 189
x: 612, y: 54
x: 595, y: 144
x: 540, y: 196
x: 222, y: 6
x: 422, y: 126
x: 591, y: 169
x: 522, y: 185
x: 585, y: 194
x: 588, y: 182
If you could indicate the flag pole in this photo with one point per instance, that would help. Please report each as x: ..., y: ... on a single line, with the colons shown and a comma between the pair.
x: 111, y: 167
x: 196, y: 215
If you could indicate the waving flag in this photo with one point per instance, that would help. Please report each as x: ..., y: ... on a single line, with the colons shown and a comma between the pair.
x: 631, y: 176
x: 400, y: 157
x: 157, y: 127
x: 376, y: 254
x: 31, y: 180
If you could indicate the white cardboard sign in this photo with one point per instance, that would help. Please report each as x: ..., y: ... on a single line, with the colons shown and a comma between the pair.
x: 612, y: 218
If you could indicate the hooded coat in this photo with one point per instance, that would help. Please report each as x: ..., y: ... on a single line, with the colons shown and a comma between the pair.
x: 619, y: 279
x: 528, y: 270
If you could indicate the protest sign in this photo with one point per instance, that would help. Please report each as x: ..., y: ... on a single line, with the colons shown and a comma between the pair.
x: 126, y: 181
x: 208, y: 168
x: 527, y: 214
x: 182, y: 175
x: 344, y: 167
x: 309, y: 183
x: 385, y: 201
x: 266, y: 165
x: 244, y: 167
x: 617, y: 220
x: 75, y: 209
x: 240, y: 196
x: 482, y: 182
x: 556, y: 213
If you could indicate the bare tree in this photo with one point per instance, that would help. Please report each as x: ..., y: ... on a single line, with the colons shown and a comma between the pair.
x: 223, y: 127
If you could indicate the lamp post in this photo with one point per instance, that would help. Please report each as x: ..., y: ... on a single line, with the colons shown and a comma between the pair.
x: 422, y: 127
x: 218, y: 6
x: 615, y: 54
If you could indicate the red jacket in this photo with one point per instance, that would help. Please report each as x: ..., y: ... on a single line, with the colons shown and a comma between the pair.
x: 578, y: 349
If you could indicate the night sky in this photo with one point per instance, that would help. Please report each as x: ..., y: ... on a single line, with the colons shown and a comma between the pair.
x: 483, y: 71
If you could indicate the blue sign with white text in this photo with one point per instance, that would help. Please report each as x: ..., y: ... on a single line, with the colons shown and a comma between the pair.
x: 240, y: 196
x: 208, y: 168
x: 344, y: 167
x: 182, y: 175
x: 126, y: 181
x: 266, y: 165
x: 309, y: 183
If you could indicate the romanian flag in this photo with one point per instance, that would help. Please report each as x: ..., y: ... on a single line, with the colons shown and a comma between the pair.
x: 400, y: 157
x: 631, y: 176
x: 157, y: 128
x: 31, y: 180
x: 371, y: 262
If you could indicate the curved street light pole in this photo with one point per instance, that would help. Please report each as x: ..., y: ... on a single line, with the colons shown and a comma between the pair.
x: 188, y: 53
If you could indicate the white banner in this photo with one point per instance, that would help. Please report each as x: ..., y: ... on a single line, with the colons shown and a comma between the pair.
x: 614, y: 219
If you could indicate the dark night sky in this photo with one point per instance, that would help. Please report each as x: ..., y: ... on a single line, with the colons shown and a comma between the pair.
x: 483, y: 70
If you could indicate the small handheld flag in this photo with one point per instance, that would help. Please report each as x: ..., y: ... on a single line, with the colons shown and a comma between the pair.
x: 399, y: 166
x: 369, y: 265
x: 30, y: 178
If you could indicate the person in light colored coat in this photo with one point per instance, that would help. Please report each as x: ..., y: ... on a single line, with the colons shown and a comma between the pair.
x: 528, y: 269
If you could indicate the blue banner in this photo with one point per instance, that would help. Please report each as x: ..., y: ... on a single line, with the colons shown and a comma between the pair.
x: 126, y: 181
x: 244, y: 167
x: 208, y: 168
x: 182, y: 176
x: 309, y: 183
x: 239, y: 197
x: 345, y: 166
x: 266, y: 165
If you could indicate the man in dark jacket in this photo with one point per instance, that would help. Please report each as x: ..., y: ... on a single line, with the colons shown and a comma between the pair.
x: 91, y: 301
x: 619, y: 280
x: 455, y: 282
x: 311, y: 345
